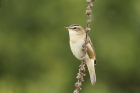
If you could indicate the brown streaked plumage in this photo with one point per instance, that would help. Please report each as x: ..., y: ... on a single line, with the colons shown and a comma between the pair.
x: 91, y: 50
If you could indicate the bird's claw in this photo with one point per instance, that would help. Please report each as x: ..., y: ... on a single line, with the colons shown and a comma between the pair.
x: 83, y: 57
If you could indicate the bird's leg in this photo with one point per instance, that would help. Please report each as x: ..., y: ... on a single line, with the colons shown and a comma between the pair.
x: 84, y: 51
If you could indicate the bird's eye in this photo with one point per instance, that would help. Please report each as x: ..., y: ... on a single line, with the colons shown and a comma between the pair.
x: 74, y: 28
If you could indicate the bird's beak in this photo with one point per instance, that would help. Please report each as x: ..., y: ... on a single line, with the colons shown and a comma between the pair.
x: 66, y: 27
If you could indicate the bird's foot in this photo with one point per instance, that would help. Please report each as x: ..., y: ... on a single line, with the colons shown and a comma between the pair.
x: 83, y: 57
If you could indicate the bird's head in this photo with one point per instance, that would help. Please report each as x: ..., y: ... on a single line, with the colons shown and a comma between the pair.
x: 75, y: 29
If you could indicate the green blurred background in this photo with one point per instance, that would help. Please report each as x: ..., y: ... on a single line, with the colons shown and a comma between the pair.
x: 35, y: 56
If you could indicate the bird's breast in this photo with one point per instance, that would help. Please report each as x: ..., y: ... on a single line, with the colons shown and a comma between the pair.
x: 76, y: 48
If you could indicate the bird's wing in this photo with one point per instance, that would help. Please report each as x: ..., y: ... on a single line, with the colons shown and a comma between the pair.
x: 90, y: 50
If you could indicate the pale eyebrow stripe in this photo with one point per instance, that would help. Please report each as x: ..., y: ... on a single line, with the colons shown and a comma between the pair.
x: 74, y: 25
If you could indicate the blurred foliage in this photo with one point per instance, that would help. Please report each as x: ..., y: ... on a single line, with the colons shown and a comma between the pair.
x: 34, y: 51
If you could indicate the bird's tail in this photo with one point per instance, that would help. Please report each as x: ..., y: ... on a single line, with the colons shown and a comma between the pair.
x: 91, y: 69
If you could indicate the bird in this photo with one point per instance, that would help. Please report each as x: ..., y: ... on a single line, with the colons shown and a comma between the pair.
x: 77, y: 36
